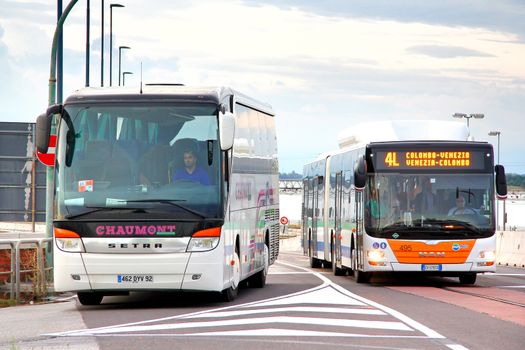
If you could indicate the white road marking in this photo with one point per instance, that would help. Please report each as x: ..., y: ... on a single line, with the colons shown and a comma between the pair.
x: 332, y: 310
x: 423, y: 329
x: 251, y: 321
x: 276, y: 332
x: 503, y: 274
x: 456, y: 347
x: 510, y: 287
x: 321, y: 296
x: 316, y: 300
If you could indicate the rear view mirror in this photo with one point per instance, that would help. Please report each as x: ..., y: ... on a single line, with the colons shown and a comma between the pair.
x: 501, y: 182
x: 226, y: 130
x: 43, y: 131
x: 360, y: 173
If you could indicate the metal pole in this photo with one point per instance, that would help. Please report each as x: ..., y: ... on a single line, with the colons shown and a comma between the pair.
x: 111, y: 41
x: 60, y: 56
x: 110, y: 45
x: 33, y: 183
x: 119, y: 63
x: 87, y: 40
x: 51, y: 100
x: 17, y: 271
x: 102, y: 49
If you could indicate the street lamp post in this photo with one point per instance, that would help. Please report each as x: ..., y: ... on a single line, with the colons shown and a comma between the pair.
x: 111, y: 41
x: 102, y: 48
x: 498, y: 133
x: 468, y: 117
x: 124, y: 77
x: 88, y: 15
x: 120, y: 48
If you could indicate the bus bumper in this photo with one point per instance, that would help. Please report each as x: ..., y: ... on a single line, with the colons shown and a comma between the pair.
x: 197, y: 271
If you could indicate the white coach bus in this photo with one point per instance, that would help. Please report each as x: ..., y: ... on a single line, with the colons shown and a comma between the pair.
x: 403, y: 196
x: 169, y: 188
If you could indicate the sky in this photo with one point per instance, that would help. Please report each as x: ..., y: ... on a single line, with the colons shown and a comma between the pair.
x: 324, y: 66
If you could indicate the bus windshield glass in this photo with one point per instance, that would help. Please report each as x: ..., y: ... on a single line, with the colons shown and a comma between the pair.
x: 143, y: 160
x: 430, y: 206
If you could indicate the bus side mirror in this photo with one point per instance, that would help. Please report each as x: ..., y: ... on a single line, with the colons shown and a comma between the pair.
x: 360, y: 174
x: 43, y: 127
x: 43, y: 131
x: 501, y: 182
x: 226, y: 130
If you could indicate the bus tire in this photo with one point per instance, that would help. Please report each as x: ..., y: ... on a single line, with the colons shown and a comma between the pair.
x: 230, y: 293
x: 90, y: 298
x: 468, y: 278
x: 337, y: 270
x: 362, y: 277
x: 259, y: 279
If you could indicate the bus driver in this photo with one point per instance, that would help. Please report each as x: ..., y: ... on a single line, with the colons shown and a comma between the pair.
x: 191, y: 172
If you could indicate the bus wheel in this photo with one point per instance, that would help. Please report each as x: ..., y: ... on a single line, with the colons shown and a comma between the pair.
x: 259, y: 279
x: 314, y: 262
x: 230, y: 293
x: 468, y: 278
x: 90, y: 298
x: 338, y: 271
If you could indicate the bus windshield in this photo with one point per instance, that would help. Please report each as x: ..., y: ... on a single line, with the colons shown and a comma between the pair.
x: 143, y: 160
x: 430, y: 206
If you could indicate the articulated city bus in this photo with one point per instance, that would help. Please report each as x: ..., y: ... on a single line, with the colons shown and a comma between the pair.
x: 419, y: 197
x: 166, y: 188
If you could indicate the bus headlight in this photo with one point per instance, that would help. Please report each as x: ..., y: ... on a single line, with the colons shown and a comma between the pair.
x: 489, y: 255
x: 204, y: 240
x: 70, y: 245
x: 376, y: 258
x: 68, y: 241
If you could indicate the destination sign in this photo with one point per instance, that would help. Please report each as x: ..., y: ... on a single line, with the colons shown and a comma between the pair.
x: 425, y: 159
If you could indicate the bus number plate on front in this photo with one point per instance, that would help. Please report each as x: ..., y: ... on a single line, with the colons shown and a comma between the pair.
x: 431, y: 267
x: 135, y: 279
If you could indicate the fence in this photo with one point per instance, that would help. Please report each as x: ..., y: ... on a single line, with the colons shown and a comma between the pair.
x: 40, y: 282
x: 22, y: 177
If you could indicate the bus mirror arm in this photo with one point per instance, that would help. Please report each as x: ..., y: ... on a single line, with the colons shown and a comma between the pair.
x: 501, y: 182
x: 226, y: 130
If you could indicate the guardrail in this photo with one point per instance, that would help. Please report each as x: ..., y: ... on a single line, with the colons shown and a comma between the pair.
x: 15, y: 272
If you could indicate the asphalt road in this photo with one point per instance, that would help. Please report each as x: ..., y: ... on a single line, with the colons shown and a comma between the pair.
x: 299, y: 308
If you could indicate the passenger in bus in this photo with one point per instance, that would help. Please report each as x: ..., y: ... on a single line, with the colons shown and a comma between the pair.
x: 191, y: 171
x: 461, y: 208
x: 376, y: 208
x: 426, y: 201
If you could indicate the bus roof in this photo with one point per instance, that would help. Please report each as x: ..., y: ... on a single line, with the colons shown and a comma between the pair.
x: 163, y: 92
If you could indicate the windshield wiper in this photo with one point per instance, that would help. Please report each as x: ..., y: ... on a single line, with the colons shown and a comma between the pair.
x: 98, y: 209
x: 455, y: 224
x: 170, y: 202
x: 396, y: 226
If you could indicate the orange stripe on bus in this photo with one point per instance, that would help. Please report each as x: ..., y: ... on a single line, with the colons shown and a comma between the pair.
x: 62, y: 233
x: 410, y: 252
x: 210, y: 232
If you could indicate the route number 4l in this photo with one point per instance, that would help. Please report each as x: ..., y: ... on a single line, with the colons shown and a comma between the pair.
x: 391, y: 159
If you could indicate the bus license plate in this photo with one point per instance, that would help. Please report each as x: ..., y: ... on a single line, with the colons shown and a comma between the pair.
x: 425, y: 267
x: 134, y: 278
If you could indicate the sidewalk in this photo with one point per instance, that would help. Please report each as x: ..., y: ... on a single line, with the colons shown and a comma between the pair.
x: 11, y: 230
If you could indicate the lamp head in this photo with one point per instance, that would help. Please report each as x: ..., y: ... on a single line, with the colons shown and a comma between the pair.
x: 459, y: 115
x: 477, y: 115
x: 115, y: 5
x: 494, y: 133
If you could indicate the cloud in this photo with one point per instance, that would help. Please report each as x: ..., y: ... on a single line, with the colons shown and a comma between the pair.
x: 503, y: 15
x: 439, y: 51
